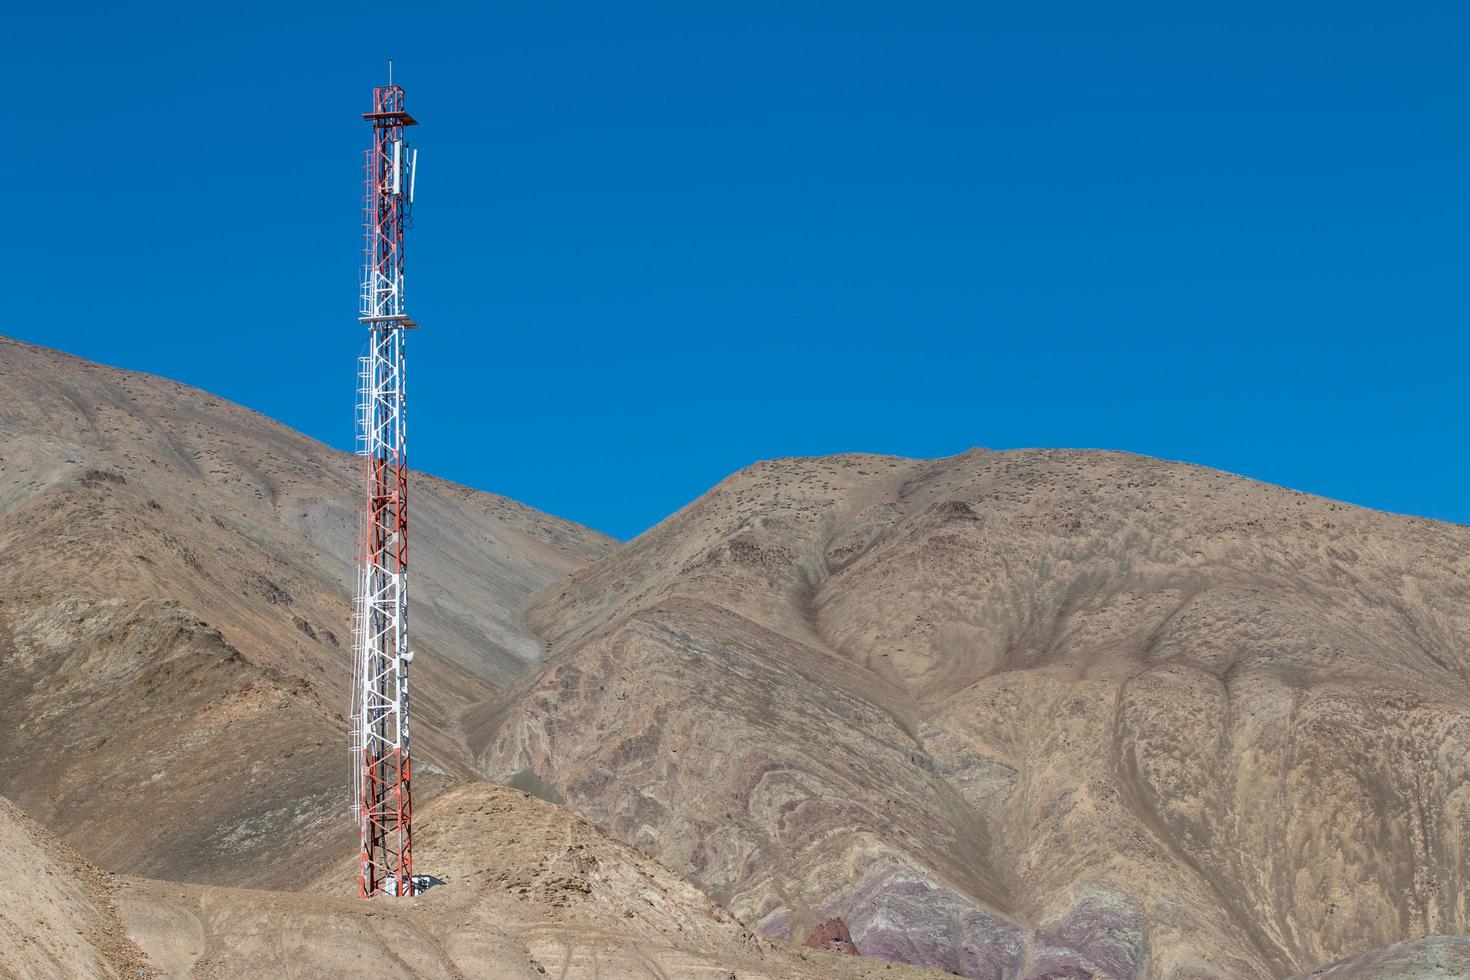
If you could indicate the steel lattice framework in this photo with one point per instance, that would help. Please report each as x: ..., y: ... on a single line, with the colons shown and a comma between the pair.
x: 383, y: 802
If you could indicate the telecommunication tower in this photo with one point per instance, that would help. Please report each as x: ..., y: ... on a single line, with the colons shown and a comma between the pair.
x: 383, y: 803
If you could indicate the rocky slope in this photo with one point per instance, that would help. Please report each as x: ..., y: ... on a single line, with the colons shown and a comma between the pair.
x: 57, y: 916
x: 175, y: 665
x: 174, y: 617
x: 523, y: 890
x: 1430, y: 958
x: 1024, y: 713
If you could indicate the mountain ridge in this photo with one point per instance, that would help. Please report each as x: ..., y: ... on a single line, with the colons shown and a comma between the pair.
x: 952, y: 602
x: 1003, y: 714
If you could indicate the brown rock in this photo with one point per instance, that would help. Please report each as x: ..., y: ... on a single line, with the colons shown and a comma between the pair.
x: 832, y: 935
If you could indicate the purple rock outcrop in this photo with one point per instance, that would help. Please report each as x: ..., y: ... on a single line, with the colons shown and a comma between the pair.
x: 897, y: 913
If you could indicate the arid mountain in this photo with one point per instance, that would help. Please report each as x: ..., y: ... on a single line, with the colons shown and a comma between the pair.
x: 1008, y: 715
x: 1024, y: 713
x: 526, y: 891
x: 174, y: 619
x: 175, y: 652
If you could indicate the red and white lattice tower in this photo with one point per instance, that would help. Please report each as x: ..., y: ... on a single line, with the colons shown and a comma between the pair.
x: 382, y: 801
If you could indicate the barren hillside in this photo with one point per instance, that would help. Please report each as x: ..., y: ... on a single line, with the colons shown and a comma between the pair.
x: 174, y: 640
x: 57, y: 917
x: 1116, y: 715
x: 1008, y: 715
x: 1430, y: 958
x: 524, y: 890
x: 175, y: 648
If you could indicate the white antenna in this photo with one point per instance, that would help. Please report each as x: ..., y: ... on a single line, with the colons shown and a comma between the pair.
x: 413, y: 171
x: 390, y: 72
x: 397, y: 162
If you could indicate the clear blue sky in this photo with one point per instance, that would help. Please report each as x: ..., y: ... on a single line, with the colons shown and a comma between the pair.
x: 655, y: 243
